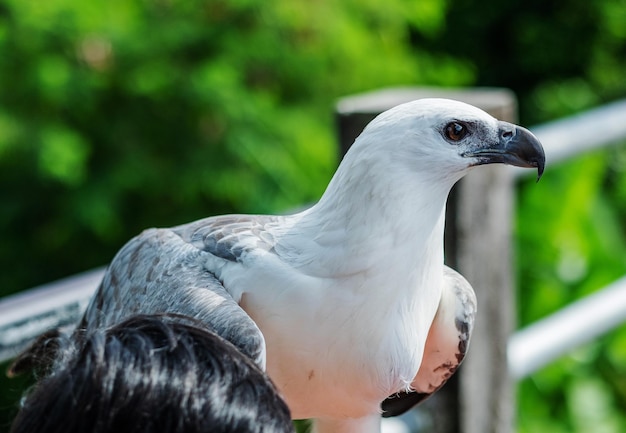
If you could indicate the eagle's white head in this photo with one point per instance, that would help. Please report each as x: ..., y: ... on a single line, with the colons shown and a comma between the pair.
x: 441, y: 137
x: 410, y: 156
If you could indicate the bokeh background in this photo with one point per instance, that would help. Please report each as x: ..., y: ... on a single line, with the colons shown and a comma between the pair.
x: 117, y: 115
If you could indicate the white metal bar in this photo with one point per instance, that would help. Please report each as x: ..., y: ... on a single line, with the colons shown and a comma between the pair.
x: 584, y: 132
x: 580, y: 322
x: 49, y: 296
x: 27, y: 314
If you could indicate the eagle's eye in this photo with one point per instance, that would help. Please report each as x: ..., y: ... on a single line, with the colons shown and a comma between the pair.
x: 455, y: 131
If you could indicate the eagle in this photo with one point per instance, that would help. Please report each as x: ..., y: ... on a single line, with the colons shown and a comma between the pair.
x: 347, y: 305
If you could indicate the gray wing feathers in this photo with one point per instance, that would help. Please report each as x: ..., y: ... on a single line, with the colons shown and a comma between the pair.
x: 229, y: 236
x: 158, y: 272
x: 465, y: 307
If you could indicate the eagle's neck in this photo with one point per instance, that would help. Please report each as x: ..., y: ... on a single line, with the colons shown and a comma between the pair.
x: 371, y: 220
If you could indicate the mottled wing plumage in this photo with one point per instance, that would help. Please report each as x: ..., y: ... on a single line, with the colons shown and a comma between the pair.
x: 229, y: 236
x: 446, y: 345
x: 160, y: 272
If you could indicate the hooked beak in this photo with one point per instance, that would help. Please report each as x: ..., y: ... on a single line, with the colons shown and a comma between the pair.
x: 516, y: 146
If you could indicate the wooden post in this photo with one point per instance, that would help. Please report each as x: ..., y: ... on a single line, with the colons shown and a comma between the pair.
x: 478, y: 244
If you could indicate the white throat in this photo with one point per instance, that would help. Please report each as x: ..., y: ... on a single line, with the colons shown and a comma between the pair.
x: 371, y: 221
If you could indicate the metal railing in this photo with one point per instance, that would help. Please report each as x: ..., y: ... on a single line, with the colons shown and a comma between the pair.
x: 546, y: 340
x: 25, y: 315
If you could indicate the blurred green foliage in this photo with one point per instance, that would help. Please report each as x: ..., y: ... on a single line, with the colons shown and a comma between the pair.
x: 572, y: 241
x: 119, y: 115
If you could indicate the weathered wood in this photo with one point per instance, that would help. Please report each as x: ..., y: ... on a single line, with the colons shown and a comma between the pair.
x: 484, y: 257
x: 478, y: 244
